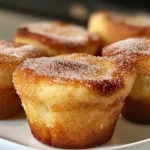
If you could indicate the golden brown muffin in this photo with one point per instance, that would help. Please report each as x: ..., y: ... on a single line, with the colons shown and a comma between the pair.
x: 73, y: 101
x: 56, y: 37
x: 113, y: 27
x: 136, y: 51
x: 11, y: 55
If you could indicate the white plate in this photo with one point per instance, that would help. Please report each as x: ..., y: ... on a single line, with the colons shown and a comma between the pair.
x: 15, y: 134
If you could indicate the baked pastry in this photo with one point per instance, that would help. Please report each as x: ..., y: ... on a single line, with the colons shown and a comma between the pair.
x: 11, y: 55
x: 73, y: 101
x: 135, y: 51
x: 112, y: 26
x: 57, y: 37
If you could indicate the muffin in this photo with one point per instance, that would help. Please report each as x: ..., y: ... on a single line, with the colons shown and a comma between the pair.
x: 11, y: 55
x: 73, y: 101
x: 57, y: 37
x: 135, y: 51
x: 112, y: 26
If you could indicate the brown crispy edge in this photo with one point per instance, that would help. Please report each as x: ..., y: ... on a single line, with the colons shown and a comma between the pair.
x: 23, y: 32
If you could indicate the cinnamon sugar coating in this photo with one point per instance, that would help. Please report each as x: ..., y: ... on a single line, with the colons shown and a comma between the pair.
x: 79, y: 68
x: 57, y: 37
x: 134, y: 50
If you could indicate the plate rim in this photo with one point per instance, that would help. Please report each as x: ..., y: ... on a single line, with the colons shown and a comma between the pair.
x: 106, y: 148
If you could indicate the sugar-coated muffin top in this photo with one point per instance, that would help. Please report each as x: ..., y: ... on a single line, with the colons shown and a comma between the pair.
x: 17, y: 51
x: 130, y: 45
x: 101, y: 73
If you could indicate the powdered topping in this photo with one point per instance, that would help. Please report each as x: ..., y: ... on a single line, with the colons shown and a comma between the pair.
x: 129, y: 46
x: 16, y: 50
x: 63, y: 67
x: 125, y: 62
x: 100, y: 74
x: 133, y: 19
x: 59, y: 31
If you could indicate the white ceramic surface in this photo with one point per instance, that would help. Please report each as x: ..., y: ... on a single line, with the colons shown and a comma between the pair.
x: 15, y: 132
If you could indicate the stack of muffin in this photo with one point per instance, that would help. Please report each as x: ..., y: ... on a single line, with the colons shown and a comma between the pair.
x: 73, y: 99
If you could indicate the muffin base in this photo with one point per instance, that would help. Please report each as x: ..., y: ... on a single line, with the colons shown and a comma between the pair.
x: 137, y: 111
x: 57, y: 136
x: 84, y: 128
x: 10, y: 103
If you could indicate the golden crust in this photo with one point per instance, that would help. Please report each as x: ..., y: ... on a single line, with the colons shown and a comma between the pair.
x: 136, y: 52
x: 11, y: 55
x: 50, y: 136
x: 55, y: 38
x: 73, y: 101
x: 107, y: 24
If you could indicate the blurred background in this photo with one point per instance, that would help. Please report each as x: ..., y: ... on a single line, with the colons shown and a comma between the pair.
x: 16, y: 12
